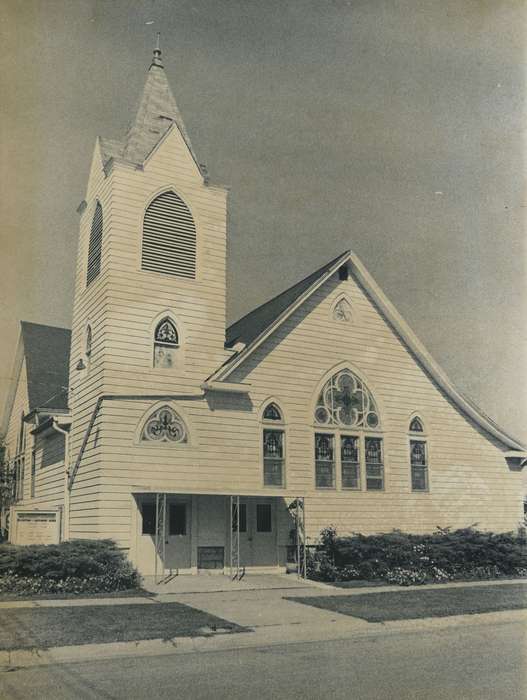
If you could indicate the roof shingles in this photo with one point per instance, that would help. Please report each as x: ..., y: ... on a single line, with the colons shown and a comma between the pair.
x: 47, y: 354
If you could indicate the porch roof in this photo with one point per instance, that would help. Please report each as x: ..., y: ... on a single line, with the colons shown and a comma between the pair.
x: 259, y: 493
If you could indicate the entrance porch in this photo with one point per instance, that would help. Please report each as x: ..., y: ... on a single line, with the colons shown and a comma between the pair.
x: 226, y: 534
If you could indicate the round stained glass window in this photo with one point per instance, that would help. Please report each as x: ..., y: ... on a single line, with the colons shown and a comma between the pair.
x: 345, y: 400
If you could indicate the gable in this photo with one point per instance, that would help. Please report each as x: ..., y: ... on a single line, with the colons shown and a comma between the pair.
x: 250, y: 326
x: 395, y: 333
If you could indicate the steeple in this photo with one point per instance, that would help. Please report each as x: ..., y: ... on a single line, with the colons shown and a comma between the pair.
x: 156, y: 114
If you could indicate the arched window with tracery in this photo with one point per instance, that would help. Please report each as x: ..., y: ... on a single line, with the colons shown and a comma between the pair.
x: 345, y: 412
x: 418, y: 455
x: 95, y: 246
x: 166, y: 343
x: 273, y: 444
x: 169, y: 237
x: 164, y: 425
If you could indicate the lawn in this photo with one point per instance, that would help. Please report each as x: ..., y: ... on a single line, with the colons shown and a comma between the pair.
x: 415, y: 604
x: 27, y: 628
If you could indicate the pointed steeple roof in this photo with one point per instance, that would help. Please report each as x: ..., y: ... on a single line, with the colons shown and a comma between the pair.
x: 156, y: 114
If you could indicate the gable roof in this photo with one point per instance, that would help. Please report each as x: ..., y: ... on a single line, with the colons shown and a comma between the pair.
x: 47, y: 353
x: 256, y: 326
x: 249, y: 327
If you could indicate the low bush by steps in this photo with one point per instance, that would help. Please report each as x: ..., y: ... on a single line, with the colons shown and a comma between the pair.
x: 76, y: 566
x: 406, y: 559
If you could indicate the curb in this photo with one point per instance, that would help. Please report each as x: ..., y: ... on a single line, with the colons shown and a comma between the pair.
x: 276, y: 635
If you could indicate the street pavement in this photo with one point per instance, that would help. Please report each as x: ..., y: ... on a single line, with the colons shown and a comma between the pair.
x: 474, y: 662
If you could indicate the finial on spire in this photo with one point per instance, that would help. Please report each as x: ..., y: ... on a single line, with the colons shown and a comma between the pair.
x: 156, y: 61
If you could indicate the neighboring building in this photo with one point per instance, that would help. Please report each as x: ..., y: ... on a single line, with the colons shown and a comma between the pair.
x: 322, y: 396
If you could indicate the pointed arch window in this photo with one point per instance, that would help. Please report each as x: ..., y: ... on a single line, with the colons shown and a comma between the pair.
x: 342, y: 311
x: 166, y: 343
x: 169, y: 237
x: 88, y: 342
x: 344, y: 455
x: 272, y: 412
x: 346, y: 401
x: 95, y: 246
x: 273, y: 444
x: 164, y: 426
x: 418, y: 455
x: 416, y: 425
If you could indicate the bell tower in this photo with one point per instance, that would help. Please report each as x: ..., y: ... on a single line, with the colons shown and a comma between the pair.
x: 149, y: 308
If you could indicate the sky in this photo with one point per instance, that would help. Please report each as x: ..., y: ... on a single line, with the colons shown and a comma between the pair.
x: 395, y: 128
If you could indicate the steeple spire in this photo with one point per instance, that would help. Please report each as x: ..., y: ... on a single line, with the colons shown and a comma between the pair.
x: 156, y: 114
x: 156, y: 61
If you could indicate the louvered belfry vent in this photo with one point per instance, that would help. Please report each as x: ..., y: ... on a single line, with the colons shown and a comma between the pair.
x: 95, y: 246
x: 169, y: 237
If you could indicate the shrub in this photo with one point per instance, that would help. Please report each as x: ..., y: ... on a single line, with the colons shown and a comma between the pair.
x: 406, y: 559
x: 76, y: 566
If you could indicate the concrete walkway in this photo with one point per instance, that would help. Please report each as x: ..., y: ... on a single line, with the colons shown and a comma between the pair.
x: 266, y: 636
x: 195, y: 590
x: 260, y: 606
x: 218, y: 583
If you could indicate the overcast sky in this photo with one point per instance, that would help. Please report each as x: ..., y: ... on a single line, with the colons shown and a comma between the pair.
x: 391, y: 127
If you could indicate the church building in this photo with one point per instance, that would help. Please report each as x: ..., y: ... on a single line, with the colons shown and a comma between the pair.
x: 198, y: 447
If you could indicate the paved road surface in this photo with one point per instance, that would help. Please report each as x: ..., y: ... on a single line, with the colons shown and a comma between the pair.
x: 478, y: 662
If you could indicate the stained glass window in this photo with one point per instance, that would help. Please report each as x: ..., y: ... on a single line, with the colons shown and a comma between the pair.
x: 346, y: 401
x: 166, y: 332
x: 349, y: 462
x: 416, y: 426
x: 419, y: 465
x: 324, y: 461
x: 273, y: 452
x: 374, y: 464
x: 272, y: 412
x: 164, y: 426
x: 166, y: 342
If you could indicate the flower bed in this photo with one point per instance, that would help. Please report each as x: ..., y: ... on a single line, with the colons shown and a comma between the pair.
x: 407, y: 560
x: 77, y: 566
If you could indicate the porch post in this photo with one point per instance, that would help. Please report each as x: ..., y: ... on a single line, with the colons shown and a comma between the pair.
x: 235, y: 537
x: 159, y: 549
x: 304, y: 567
x: 300, y: 538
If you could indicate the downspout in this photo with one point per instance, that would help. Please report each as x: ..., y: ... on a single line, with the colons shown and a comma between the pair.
x: 66, y: 513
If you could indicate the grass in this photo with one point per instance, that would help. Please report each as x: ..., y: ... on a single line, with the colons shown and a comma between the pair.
x: 27, y: 628
x: 416, y: 604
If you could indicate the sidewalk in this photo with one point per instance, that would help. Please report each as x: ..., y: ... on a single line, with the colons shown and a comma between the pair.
x: 270, y: 636
x: 265, y: 612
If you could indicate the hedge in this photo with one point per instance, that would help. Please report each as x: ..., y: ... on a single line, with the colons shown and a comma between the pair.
x: 407, y: 559
x: 76, y: 566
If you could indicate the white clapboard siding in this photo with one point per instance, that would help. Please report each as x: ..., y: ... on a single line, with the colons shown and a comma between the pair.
x: 470, y: 481
x: 123, y: 302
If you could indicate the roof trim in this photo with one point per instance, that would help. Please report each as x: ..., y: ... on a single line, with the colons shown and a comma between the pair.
x: 13, y: 384
x: 225, y: 370
x: 402, y: 329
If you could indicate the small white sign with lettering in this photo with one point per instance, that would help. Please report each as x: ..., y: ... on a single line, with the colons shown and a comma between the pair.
x: 36, y: 527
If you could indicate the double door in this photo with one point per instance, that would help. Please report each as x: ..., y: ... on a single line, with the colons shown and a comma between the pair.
x: 258, y: 533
